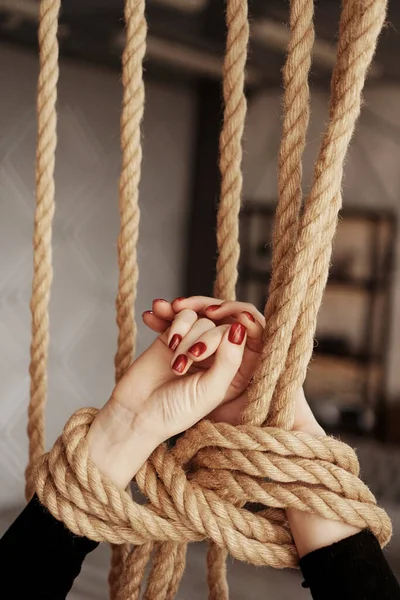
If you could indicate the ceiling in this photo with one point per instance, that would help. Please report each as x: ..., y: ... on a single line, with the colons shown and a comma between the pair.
x: 186, y: 37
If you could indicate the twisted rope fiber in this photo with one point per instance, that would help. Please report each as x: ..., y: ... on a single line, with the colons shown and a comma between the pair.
x: 131, y: 118
x: 190, y: 505
x: 296, y: 114
x: 189, y: 499
x: 291, y: 325
x: 235, y: 109
x: 227, y: 240
x: 42, y: 266
x: 231, y: 149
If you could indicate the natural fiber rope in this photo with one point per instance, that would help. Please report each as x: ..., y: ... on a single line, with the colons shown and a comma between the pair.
x: 196, y: 506
x: 288, y: 346
x: 197, y: 490
x: 131, y: 118
x: 42, y: 265
x: 231, y: 149
x: 235, y: 108
x: 166, y: 565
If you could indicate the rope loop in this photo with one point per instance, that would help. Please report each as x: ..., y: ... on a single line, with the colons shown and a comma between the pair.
x: 196, y: 491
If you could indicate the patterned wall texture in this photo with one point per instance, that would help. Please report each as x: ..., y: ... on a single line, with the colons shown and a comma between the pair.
x: 83, y: 330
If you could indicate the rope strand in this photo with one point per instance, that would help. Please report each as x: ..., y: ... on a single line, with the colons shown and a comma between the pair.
x: 45, y: 204
x: 360, y: 25
x: 230, y: 465
x: 131, y: 119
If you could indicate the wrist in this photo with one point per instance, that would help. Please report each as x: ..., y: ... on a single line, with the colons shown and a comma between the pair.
x: 311, y: 531
x: 118, y: 444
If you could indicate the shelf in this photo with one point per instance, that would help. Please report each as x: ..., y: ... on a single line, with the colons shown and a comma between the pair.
x: 257, y: 275
x: 267, y: 209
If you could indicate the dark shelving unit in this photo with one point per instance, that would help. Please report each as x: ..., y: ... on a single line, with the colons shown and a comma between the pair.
x: 366, y: 277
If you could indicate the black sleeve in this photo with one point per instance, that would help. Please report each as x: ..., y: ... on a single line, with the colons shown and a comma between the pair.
x: 39, y: 556
x: 353, y: 569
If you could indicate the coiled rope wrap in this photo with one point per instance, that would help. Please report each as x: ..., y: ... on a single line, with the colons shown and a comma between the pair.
x: 193, y: 488
x: 197, y: 490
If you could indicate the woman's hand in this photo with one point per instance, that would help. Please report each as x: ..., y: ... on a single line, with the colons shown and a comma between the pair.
x: 173, y: 316
x: 167, y: 391
x: 196, y: 367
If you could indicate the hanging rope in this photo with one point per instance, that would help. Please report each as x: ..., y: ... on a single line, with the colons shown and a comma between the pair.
x: 261, y: 461
x: 292, y: 320
x: 42, y: 257
x: 131, y: 118
x: 235, y: 108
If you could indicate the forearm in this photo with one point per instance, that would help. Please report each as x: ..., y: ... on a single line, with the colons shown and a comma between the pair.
x: 310, y: 531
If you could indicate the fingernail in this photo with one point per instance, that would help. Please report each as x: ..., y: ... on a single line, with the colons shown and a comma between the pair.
x: 159, y: 300
x: 180, y: 363
x: 237, y: 333
x: 147, y: 312
x: 179, y: 299
x: 198, y: 349
x: 213, y: 307
x: 175, y: 341
x: 249, y: 316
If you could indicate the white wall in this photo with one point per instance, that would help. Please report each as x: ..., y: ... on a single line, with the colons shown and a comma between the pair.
x: 83, y: 329
x: 372, y: 177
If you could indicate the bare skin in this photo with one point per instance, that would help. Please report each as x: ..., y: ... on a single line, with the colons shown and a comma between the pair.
x: 199, y: 366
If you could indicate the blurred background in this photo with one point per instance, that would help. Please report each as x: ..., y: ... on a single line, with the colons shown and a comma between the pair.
x: 354, y: 379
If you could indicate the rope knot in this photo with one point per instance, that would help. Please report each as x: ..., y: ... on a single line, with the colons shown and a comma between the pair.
x: 202, y: 489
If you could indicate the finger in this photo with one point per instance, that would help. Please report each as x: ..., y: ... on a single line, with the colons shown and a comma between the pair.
x: 223, y: 310
x: 163, y: 309
x: 214, y: 383
x: 196, y: 303
x: 180, y: 327
x: 181, y: 362
x: 206, y: 344
x: 234, y: 309
x: 155, y: 323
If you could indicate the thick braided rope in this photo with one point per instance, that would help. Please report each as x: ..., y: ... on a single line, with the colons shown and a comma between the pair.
x: 294, y: 131
x: 184, y: 509
x: 296, y: 114
x: 367, y: 19
x: 235, y: 108
x: 231, y: 148
x: 42, y: 266
x: 314, y: 474
x: 131, y: 118
x: 227, y: 230
x: 361, y: 23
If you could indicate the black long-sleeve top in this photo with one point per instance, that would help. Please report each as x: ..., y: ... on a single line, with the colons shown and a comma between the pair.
x: 40, y: 558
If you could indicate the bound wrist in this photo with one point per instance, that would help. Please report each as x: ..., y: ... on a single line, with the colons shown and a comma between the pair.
x: 118, y: 445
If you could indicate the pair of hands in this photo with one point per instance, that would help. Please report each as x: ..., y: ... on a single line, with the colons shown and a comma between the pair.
x: 200, y: 365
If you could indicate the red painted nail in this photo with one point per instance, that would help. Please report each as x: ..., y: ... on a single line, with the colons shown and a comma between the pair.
x: 198, y: 349
x: 147, y: 312
x: 180, y: 363
x: 237, y: 333
x: 213, y: 307
x: 249, y: 316
x: 179, y: 299
x: 175, y: 341
x: 159, y: 300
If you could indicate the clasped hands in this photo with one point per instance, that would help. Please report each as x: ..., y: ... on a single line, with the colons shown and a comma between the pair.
x: 199, y: 366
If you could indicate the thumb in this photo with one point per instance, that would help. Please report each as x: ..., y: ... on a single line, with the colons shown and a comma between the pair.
x: 214, y: 383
